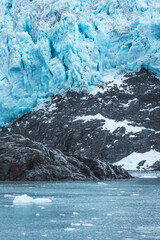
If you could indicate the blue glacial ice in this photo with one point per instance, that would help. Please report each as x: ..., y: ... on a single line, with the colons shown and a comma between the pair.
x: 52, y: 46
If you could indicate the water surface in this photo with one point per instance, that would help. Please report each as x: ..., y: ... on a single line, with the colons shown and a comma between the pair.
x: 111, y: 210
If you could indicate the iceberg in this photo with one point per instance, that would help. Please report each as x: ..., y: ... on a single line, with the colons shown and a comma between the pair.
x: 50, y: 47
x: 25, y: 199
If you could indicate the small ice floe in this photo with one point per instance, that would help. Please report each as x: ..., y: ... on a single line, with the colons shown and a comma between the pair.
x: 87, y: 224
x: 62, y: 215
x: 25, y: 199
x: 37, y: 214
x: 41, y: 207
x: 94, y: 218
x: 101, y: 183
x: 109, y: 214
x: 8, y: 196
x: 44, y: 235
x: 23, y: 233
x: 75, y: 213
x: 53, y: 221
x: 80, y: 223
x: 122, y: 191
x: 135, y: 194
x: 69, y: 229
x: 76, y: 224
x: 7, y: 206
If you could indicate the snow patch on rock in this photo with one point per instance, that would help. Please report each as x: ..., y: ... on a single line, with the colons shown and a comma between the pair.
x: 110, y: 124
x: 134, y: 160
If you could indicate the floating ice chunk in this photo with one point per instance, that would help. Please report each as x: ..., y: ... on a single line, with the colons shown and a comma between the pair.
x: 53, y: 221
x: 87, y: 224
x: 101, y: 183
x: 69, y: 229
x: 109, y: 214
x: 76, y: 224
x: 94, y: 218
x: 41, y: 207
x: 8, y: 196
x: 75, y: 213
x: 44, y: 235
x: 23, y: 233
x: 82, y: 224
x: 135, y: 194
x: 25, y: 199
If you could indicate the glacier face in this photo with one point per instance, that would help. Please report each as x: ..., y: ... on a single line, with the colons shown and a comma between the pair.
x: 52, y: 46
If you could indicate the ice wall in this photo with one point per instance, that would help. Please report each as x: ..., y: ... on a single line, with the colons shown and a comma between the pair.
x: 51, y: 46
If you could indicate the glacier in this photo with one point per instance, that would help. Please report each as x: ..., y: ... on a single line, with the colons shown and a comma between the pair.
x: 48, y: 47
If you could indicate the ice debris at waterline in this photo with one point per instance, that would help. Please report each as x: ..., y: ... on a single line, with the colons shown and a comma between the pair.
x: 145, y: 174
x: 25, y: 199
x: 49, y: 47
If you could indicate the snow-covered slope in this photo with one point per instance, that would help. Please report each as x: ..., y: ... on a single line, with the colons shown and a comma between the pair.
x: 49, y: 47
x: 140, y: 161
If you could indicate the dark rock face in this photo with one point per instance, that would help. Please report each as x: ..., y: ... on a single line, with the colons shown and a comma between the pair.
x: 23, y: 159
x: 155, y: 166
x: 135, y: 103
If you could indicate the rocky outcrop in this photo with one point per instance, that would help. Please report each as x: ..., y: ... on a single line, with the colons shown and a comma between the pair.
x: 155, y: 166
x: 23, y: 159
x: 109, y: 124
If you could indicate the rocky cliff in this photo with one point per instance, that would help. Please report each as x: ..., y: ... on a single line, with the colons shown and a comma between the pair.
x: 116, y: 119
x: 23, y: 159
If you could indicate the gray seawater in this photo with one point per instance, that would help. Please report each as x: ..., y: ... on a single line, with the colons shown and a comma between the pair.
x: 115, y: 210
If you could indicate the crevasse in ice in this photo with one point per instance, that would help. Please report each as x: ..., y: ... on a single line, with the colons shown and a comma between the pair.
x: 52, y: 46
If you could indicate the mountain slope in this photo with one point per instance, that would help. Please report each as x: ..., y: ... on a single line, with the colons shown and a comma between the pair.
x: 115, y: 120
